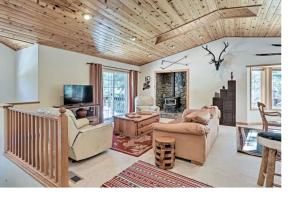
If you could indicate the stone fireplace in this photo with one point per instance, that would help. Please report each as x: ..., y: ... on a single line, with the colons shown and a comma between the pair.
x: 171, y: 91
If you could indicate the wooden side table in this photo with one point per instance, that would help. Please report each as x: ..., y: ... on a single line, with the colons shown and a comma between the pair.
x: 164, y: 152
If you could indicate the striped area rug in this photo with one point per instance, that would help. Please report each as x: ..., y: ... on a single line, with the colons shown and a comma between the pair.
x: 142, y: 174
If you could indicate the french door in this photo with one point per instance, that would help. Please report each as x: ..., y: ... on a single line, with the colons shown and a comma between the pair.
x: 115, y: 94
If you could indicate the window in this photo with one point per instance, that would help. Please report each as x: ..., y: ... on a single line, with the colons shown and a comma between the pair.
x: 276, y: 89
x: 115, y: 94
x: 265, y: 87
x: 256, y: 87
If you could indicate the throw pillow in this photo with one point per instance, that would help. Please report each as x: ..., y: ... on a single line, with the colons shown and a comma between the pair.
x: 200, y: 116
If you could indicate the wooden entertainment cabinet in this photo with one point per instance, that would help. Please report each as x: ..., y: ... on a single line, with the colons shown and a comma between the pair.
x: 92, y: 111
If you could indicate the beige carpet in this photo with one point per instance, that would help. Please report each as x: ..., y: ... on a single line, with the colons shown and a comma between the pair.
x: 224, y: 166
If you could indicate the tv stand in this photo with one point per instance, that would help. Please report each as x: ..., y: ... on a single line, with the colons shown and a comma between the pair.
x: 92, y: 111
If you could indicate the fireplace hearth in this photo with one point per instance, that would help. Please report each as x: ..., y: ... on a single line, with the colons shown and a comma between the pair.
x: 171, y: 91
x: 172, y: 104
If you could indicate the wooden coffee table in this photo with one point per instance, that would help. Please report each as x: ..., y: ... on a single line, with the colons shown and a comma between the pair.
x: 134, y: 127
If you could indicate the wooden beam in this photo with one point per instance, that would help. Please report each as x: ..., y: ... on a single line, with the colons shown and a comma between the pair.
x: 14, y: 44
x: 225, y: 13
x: 9, y: 46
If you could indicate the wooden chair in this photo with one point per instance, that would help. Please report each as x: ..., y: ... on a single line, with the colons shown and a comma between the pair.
x: 266, y: 123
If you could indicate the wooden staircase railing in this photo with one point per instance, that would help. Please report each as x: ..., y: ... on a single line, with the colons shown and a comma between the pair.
x: 38, y: 144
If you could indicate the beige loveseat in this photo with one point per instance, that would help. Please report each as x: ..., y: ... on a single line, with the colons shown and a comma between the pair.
x: 193, y: 140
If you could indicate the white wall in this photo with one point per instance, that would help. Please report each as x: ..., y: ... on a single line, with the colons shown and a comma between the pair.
x: 205, y: 80
x: 27, y: 74
x: 7, y: 74
x: 10, y: 174
x: 58, y: 67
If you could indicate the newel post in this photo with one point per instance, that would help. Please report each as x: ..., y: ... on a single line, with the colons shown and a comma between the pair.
x: 6, y: 126
x: 64, y: 177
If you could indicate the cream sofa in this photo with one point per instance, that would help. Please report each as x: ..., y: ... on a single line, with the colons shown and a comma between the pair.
x: 145, y: 103
x: 86, y: 140
x: 193, y: 140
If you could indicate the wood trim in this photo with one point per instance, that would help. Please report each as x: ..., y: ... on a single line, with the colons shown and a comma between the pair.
x: 5, y: 105
x: 248, y: 123
x: 115, y: 68
x: 25, y: 103
x: 266, y: 85
x: 263, y: 65
x: 187, y: 70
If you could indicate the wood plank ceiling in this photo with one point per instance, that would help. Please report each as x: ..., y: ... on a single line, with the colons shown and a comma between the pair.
x: 127, y: 30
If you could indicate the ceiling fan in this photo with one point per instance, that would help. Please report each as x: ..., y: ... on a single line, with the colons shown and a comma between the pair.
x: 270, y: 54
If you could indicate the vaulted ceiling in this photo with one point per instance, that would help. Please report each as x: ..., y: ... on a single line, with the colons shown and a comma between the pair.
x: 136, y: 31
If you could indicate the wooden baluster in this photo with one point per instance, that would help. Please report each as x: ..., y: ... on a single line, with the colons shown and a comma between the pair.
x: 23, y: 137
x: 29, y: 139
x: 16, y: 133
x: 26, y: 137
x: 7, y: 132
x: 38, y: 143
x: 13, y: 131
x: 10, y: 130
x: 19, y: 133
x: 33, y: 141
x: 46, y: 146
x: 42, y: 144
x: 56, y: 151
x: 51, y: 147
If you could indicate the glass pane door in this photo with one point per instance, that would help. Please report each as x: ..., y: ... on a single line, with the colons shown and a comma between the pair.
x: 256, y: 87
x: 115, y: 94
x: 276, y: 89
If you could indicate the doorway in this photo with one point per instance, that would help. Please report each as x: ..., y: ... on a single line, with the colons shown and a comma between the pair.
x: 115, y: 94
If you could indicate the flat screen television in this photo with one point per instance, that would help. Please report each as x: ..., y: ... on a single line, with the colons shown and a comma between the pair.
x: 78, y: 94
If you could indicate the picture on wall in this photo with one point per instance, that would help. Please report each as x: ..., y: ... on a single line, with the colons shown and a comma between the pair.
x: 146, y: 84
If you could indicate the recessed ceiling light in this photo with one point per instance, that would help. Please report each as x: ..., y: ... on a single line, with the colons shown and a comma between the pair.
x: 133, y: 38
x: 87, y: 16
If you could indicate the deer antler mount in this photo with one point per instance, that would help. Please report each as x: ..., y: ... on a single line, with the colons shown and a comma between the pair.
x: 213, y: 60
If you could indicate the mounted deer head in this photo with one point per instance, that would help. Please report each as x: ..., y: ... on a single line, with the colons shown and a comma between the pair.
x: 213, y: 60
